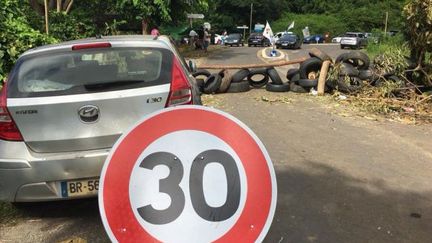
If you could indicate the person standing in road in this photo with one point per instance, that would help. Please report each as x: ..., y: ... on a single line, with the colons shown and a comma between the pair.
x: 223, y: 37
x: 206, y: 39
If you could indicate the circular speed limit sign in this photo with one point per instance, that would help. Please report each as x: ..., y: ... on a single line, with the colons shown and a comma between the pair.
x: 188, y: 174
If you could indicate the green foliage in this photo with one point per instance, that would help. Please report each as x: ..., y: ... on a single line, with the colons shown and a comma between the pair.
x: 386, y: 45
x: 64, y: 26
x: 353, y: 15
x: 113, y: 28
x: 318, y: 24
x: 419, y: 22
x: 16, y: 36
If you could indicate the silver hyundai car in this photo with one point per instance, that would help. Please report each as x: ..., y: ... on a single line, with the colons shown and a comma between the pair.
x: 65, y: 105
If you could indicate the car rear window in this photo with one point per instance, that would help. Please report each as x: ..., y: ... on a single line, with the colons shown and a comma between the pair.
x: 351, y: 35
x: 72, y: 72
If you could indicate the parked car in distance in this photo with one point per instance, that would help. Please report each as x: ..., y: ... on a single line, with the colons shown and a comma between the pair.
x: 289, y: 41
x: 234, y: 39
x: 278, y: 35
x: 353, y: 40
x: 65, y: 105
x: 313, y: 39
x: 337, y: 39
x: 258, y: 39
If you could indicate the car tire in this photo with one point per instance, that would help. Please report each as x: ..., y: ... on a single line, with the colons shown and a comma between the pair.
x: 297, y: 88
x: 274, y: 75
x: 240, y: 75
x: 212, y: 83
x: 308, y: 83
x: 315, y: 52
x: 310, y: 65
x: 259, y: 83
x: 341, y: 57
x: 226, y: 81
x: 291, y: 73
x: 367, y: 74
x: 200, y: 84
x: 295, y: 78
x: 239, y: 87
x: 342, y: 47
x: 357, y: 58
x: 347, y: 69
x: 355, y: 85
x: 201, y: 72
x: 285, y: 87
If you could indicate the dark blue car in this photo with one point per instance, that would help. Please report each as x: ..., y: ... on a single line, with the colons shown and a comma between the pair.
x: 313, y: 39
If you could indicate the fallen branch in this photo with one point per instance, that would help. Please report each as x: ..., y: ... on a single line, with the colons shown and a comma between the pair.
x: 240, y: 66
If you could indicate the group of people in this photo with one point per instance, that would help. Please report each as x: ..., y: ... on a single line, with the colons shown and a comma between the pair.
x: 203, y: 41
x: 200, y: 41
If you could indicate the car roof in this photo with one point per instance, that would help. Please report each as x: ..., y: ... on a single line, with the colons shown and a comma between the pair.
x: 153, y: 41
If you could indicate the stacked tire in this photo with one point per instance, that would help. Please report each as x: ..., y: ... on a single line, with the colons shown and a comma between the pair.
x: 241, y: 81
x: 353, y: 68
x: 305, y: 78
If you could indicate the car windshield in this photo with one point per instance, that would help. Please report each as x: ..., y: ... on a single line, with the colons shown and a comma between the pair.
x: 62, y: 71
x: 351, y: 35
x: 288, y: 37
x: 234, y: 35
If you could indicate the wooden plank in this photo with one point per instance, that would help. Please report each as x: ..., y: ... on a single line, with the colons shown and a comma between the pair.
x: 240, y: 66
x: 322, y: 77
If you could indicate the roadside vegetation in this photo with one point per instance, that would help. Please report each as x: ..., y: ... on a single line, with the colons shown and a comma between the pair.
x: 23, y: 23
x: 23, y: 27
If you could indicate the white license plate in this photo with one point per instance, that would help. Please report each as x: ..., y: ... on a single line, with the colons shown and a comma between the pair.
x: 79, y: 188
x: 284, y: 44
x: 255, y: 41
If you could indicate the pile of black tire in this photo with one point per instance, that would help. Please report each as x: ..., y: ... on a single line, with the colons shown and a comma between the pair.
x: 241, y: 81
x: 349, y: 73
x: 351, y: 69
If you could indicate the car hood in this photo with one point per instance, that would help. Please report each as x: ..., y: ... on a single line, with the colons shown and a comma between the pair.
x: 288, y: 40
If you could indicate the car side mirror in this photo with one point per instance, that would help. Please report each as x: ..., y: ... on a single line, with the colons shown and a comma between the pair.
x: 192, y: 66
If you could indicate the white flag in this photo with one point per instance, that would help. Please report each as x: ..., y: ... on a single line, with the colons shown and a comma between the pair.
x: 291, y: 26
x: 268, y: 33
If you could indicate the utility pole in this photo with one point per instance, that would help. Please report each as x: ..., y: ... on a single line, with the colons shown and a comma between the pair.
x: 385, y: 24
x: 250, y: 23
x: 46, y: 16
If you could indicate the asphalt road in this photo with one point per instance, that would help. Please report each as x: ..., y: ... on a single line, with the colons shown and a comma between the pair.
x: 341, y: 177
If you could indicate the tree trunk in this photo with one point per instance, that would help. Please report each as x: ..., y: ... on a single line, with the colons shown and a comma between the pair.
x: 68, y: 6
x: 59, y: 6
x: 144, y: 24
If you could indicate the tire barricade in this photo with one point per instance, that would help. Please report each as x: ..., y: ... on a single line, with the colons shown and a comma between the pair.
x: 348, y: 73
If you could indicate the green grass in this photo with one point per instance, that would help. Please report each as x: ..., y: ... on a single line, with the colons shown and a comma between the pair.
x: 387, y: 44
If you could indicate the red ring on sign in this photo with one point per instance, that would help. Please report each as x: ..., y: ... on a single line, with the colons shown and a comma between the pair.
x: 116, y: 203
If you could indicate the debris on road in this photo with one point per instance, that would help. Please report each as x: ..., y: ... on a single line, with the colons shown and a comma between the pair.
x: 380, y: 86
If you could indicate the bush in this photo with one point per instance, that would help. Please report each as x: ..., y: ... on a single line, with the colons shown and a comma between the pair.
x: 318, y: 24
x: 16, y: 36
x: 387, y: 43
x: 65, y: 27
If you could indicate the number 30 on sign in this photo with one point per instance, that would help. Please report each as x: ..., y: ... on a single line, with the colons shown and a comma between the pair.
x: 188, y: 174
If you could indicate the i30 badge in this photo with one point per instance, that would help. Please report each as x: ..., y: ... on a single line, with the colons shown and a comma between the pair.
x: 89, y: 113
